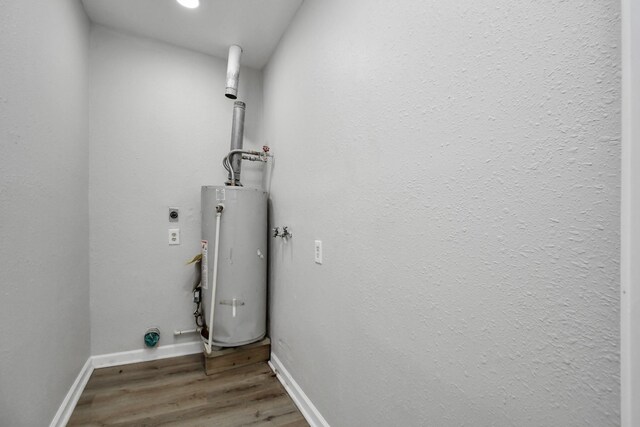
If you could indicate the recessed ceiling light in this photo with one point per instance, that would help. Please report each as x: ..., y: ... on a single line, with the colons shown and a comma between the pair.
x: 191, y: 4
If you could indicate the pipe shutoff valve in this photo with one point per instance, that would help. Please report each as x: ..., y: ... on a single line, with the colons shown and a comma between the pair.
x: 285, y: 234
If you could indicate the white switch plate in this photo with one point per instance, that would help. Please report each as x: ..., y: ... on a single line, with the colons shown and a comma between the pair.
x: 174, y: 236
x: 318, y: 251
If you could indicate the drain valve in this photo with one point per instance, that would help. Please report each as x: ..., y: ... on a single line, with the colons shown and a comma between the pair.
x: 151, y: 337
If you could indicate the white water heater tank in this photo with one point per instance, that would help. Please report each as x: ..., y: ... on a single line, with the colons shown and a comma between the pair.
x: 241, y: 292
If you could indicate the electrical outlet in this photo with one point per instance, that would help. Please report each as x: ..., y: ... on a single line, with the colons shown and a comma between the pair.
x: 318, y: 251
x: 174, y: 214
x: 174, y: 236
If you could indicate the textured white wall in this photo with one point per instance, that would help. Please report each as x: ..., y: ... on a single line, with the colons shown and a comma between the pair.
x: 630, y: 303
x: 44, y: 221
x: 461, y: 163
x: 160, y: 126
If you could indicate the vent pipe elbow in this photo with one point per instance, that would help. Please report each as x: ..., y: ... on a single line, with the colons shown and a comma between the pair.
x: 233, y: 71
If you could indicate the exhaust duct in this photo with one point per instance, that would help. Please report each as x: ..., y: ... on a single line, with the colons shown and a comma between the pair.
x: 237, y: 138
x: 233, y: 71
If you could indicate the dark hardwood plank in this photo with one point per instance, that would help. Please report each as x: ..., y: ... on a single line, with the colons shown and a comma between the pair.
x: 176, y: 392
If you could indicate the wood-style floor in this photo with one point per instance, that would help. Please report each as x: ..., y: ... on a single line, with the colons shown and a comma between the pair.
x: 176, y: 392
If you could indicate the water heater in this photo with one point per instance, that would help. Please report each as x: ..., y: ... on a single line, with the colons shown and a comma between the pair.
x: 240, y: 300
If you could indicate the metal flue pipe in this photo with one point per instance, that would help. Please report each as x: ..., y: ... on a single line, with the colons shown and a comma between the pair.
x: 237, y: 137
x: 233, y: 71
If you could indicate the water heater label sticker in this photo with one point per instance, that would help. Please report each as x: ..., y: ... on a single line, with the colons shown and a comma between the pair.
x: 204, y: 276
x: 219, y: 193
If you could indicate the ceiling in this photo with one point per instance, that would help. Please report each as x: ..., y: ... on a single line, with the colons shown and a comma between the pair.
x: 255, y: 25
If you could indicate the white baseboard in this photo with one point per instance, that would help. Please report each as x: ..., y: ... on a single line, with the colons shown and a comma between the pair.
x: 308, y: 409
x: 146, y: 354
x: 71, y: 399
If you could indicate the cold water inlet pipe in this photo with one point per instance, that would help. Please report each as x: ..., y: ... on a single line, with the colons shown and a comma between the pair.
x: 251, y: 155
x: 214, y: 279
